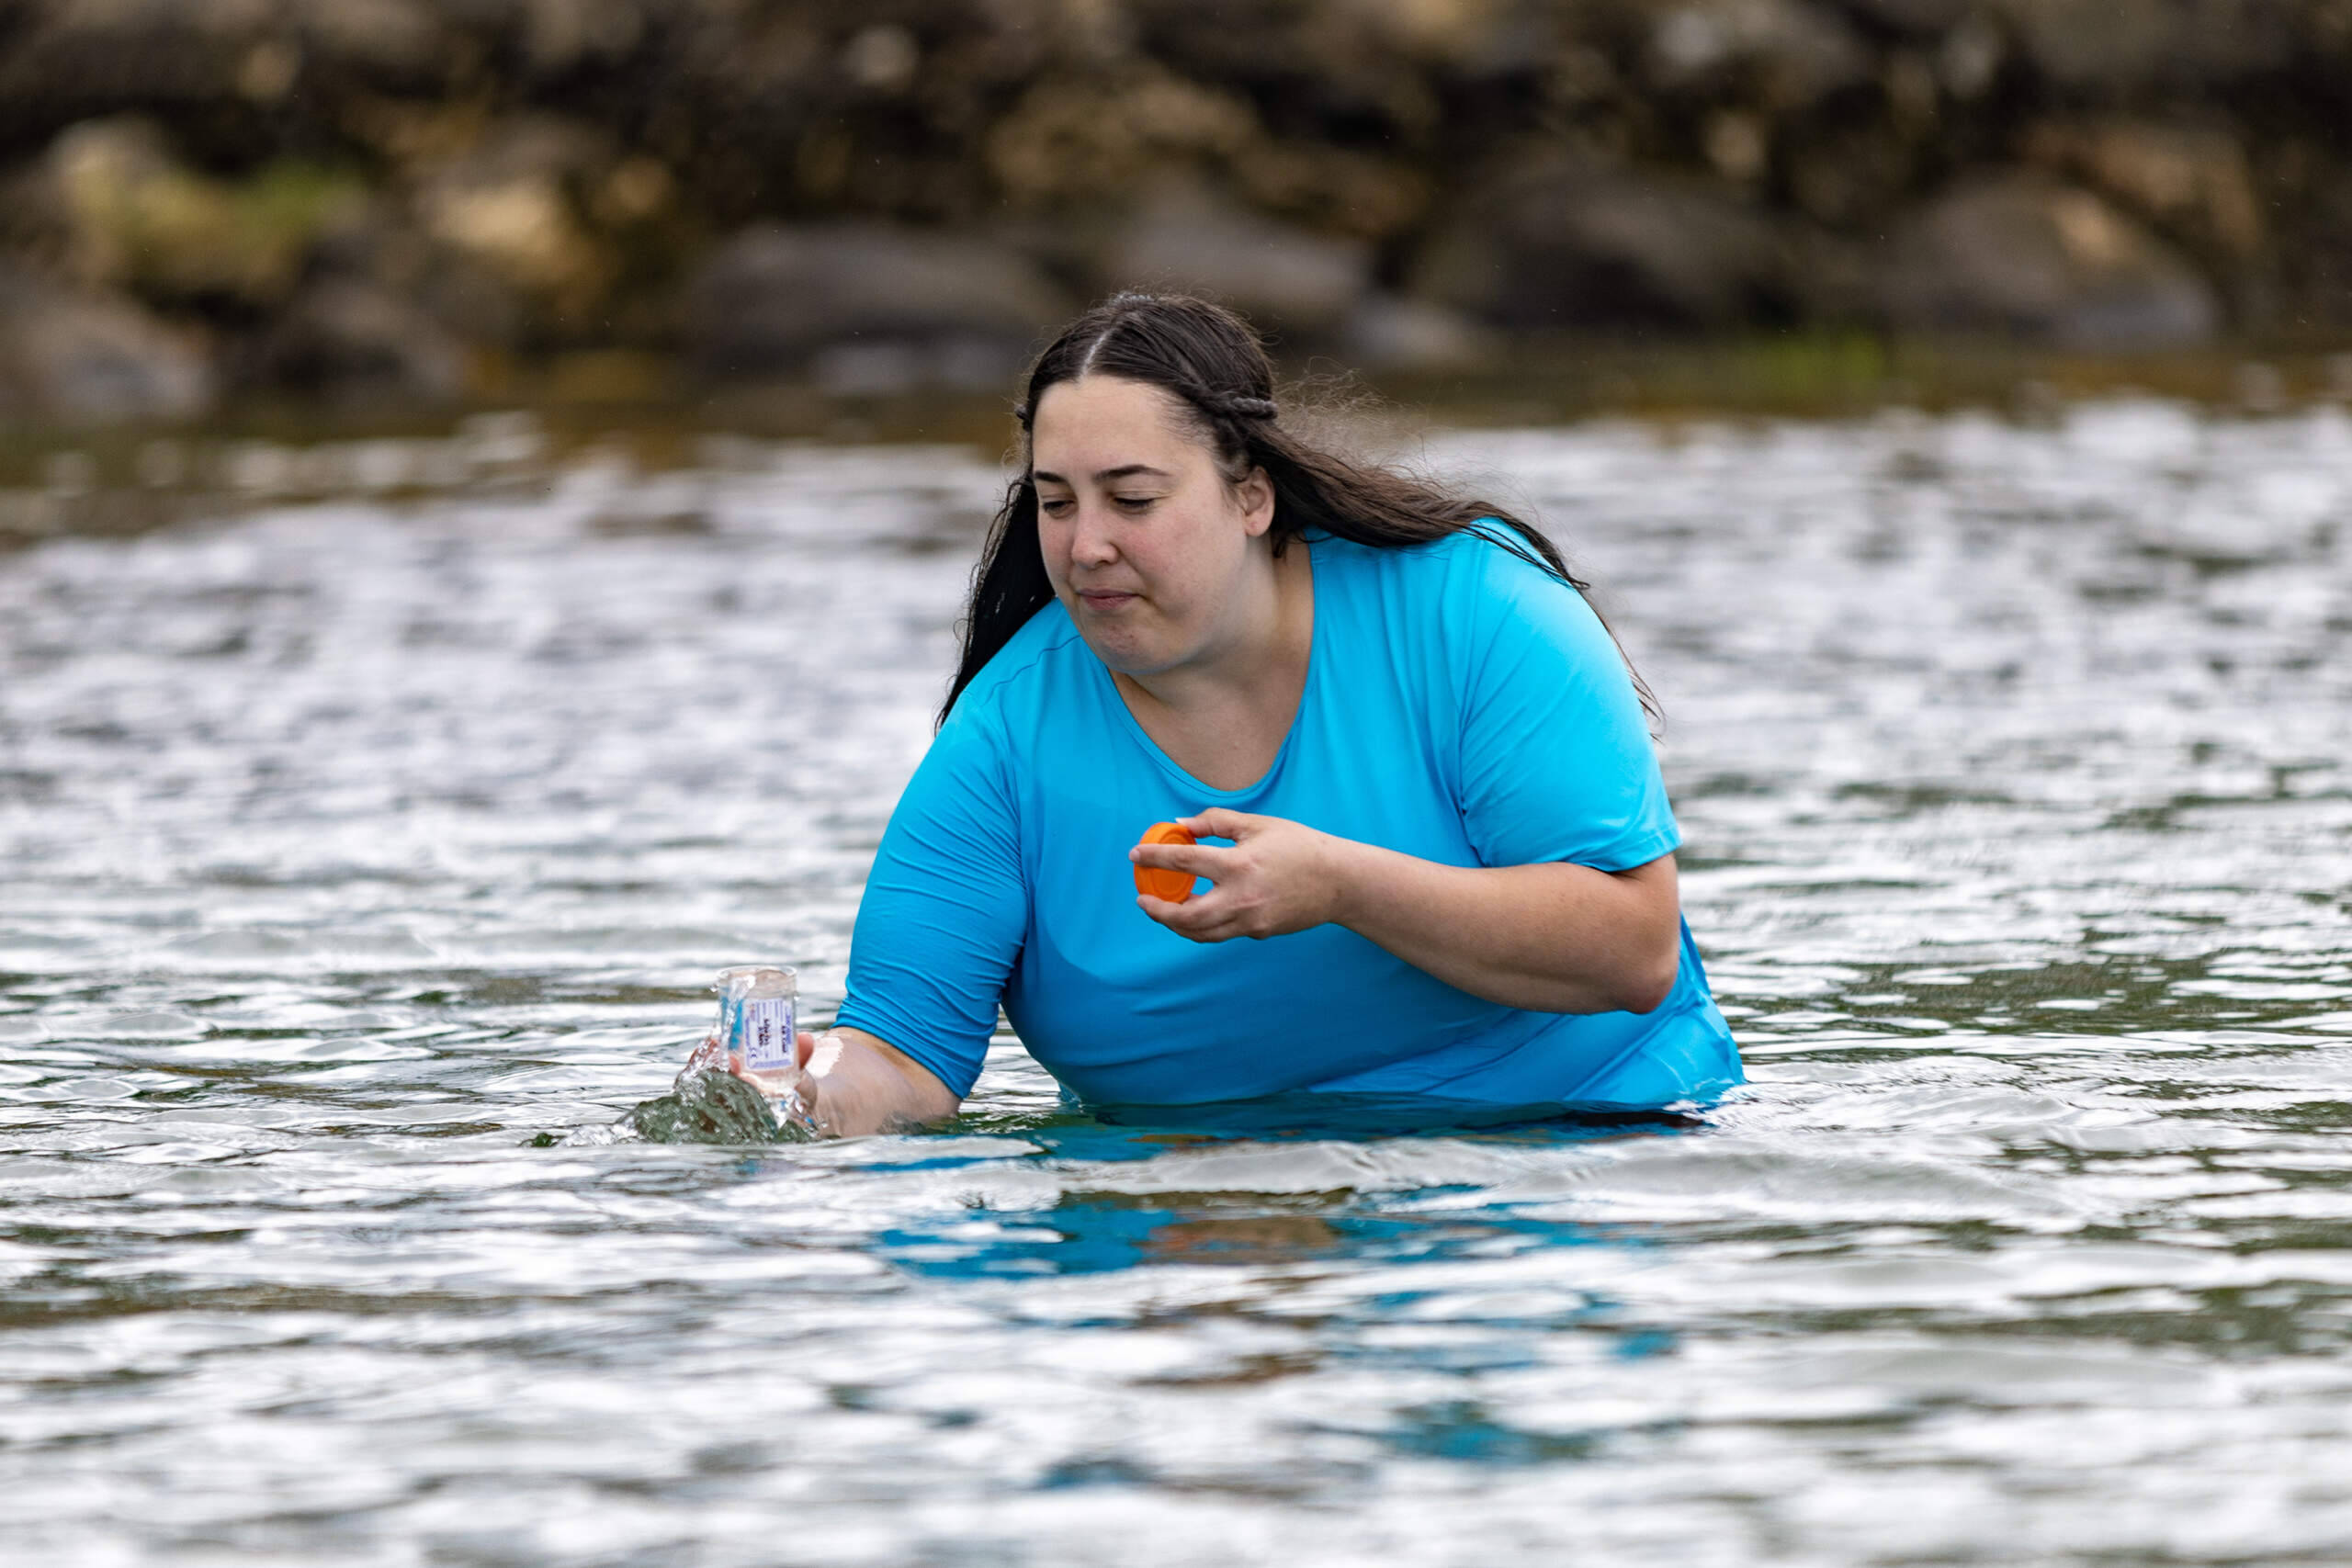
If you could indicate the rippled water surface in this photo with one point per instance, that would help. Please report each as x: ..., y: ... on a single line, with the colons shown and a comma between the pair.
x: 359, y: 860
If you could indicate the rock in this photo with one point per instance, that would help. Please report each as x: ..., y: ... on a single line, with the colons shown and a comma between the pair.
x: 1389, y: 333
x: 563, y: 34
x: 1853, y: 181
x: 385, y: 250
x: 544, y: 170
x: 1738, y: 146
x: 1096, y: 137
x: 75, y: 356
x: 1367, y: 50
x: 351, y: 342
x: 377, y: 38
x: 78, y: 58
x: 1333, y: 191
x: 1970, y: 60
x: 2123, y: 44
x: 1800, y: 52
x: 1282, y: 279
x: 2094, y: 42
x: 514, y: 204
x: 2023, y: 255
x: 2190, y: 180
x: 137, y: 218
x: 882, y: 58
x: 1559, y: 243
x: 868, y: 307
x: 1477, y: 36
x: 1918, y: 18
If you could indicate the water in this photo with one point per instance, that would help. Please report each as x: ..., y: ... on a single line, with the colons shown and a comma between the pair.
x: 362, y: 863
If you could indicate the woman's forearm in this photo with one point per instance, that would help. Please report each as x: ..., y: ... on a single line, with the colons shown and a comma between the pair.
x: 854, y: 1084
x: 868, y: 1086
x: 1550, y: 938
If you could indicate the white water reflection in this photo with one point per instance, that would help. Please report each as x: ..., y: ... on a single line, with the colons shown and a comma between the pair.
x: 356, y: 859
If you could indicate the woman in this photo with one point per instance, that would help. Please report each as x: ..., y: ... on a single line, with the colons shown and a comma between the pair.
x: 1448, y: 834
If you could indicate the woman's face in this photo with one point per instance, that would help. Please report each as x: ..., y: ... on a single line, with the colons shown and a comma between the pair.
x: 1146, y: 546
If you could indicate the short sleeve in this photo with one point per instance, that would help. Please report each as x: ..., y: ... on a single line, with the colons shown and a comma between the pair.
x: 944, y: 910
x: 1557, y: 763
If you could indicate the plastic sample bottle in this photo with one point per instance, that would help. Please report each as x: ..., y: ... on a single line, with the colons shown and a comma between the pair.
x: 757, y: 1004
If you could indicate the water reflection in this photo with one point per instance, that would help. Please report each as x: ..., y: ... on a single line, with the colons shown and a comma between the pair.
x: 359, y: 858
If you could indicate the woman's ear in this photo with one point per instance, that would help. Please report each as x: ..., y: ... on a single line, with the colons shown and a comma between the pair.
x: 1255, y: 496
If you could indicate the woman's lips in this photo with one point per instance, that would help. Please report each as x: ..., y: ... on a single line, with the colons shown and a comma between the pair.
x: 1098, y: 601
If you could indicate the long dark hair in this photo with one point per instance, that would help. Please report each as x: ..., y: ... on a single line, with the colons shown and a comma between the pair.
x: 1212, y: 363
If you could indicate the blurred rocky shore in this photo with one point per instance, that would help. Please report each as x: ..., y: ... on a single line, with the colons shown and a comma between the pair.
x: 367, y: 203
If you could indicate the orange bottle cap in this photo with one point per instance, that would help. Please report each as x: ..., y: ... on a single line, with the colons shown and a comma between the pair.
x: 1173, y: 885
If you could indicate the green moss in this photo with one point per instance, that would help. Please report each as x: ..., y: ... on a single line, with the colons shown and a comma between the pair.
x: 174, y: 235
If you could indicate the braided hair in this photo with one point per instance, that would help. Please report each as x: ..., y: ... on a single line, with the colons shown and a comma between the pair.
x: 1213, y: 364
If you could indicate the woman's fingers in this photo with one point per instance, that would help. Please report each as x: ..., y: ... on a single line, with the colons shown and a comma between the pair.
x: 1201, y: 860
x: 1217, y: 822
x: 1198, y: 918
x: 1275, y: 878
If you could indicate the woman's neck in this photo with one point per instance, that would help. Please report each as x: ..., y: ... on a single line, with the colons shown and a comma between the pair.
x: 1224, y: 718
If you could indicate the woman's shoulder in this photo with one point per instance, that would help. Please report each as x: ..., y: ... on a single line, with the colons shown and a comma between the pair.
x: 1030, y: 662
x: 1462, y: 571
x: 1466, y: 605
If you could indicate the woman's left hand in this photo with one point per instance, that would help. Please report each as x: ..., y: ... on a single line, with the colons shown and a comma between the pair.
x: 1279, y: 876
x: 1552, y: 936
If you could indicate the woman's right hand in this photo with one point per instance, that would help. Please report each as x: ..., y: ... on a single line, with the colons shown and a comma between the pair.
x: 797, y: 1083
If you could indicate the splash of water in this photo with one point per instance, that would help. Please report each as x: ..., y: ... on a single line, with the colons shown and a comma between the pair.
x: 706, y: 1104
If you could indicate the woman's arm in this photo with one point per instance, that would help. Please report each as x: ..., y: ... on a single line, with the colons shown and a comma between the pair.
x: 851, y: 1084
x: 1550, y: 938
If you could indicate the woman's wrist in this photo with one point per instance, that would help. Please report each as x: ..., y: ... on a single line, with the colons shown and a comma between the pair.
x: 1349, y: 870
x: 808, y: 1102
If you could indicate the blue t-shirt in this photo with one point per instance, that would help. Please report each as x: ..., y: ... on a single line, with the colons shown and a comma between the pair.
x: 1461, y: 705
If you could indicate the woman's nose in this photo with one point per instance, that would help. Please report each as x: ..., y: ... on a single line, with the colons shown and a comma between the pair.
x: 1091, y: 541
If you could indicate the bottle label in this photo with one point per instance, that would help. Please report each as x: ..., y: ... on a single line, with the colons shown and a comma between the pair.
x: 765, y: 1031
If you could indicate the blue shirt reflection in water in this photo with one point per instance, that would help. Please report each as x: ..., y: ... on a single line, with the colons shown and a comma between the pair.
x: 1461, y: 705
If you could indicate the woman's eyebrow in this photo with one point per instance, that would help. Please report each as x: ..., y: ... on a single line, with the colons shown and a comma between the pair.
x: 1102, y: 475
